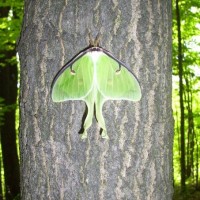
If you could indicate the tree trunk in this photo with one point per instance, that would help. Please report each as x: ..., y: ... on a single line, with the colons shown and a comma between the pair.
x: 136, y: 162
x: 1, y: 191
x: 8, y: 90
x: 182, y: 124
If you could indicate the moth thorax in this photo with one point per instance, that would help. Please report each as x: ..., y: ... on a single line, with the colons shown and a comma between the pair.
x: 95, y: 55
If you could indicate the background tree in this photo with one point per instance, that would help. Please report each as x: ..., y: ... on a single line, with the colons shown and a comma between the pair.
x: 136, y: 163
x: 182, y: 120
x: 10, y: 20
x: 186, y: 64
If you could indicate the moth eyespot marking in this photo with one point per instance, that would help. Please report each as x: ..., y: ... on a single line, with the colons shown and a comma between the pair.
x: 118, y: 71
x: 72, y: 72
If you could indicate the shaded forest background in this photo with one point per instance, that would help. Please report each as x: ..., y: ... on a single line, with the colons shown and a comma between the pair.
x: 186, y: 95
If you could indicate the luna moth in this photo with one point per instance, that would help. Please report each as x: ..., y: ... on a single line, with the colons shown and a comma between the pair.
x: 94, y: 75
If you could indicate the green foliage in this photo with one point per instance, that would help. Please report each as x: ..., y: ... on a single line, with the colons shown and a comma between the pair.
x: 11, y: 13
x: 190, y: 31
x: 10, y: 25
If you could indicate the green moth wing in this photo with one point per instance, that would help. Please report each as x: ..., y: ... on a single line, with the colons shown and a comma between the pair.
x: 115, y: 83
x: 68, y: 85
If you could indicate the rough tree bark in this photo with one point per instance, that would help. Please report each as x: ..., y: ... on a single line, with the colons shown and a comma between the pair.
x: 136, y: 163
